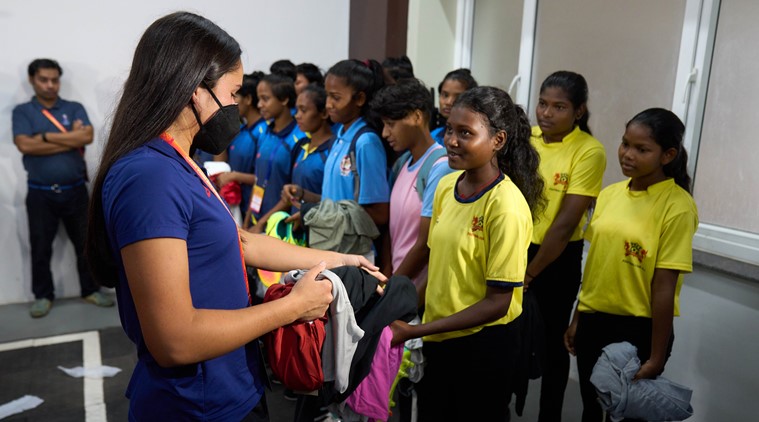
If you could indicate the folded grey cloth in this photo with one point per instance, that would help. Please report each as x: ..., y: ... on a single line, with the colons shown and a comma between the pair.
x: 652, y: 400
x: 342, y: 226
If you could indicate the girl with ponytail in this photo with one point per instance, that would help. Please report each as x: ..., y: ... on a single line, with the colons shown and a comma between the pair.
x: 572, y: 162
x: 356, y: 168
x: 479, y: 233
x: 641, y: 237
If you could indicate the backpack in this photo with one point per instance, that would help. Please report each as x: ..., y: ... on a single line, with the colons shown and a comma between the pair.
x: 352, y: 155
x: 424, y: 171
x: 294, y: 350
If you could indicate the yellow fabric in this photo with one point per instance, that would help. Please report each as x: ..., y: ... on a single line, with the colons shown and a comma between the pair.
x: 631, y: 234
x: 573, y: 166
x: 473, y: 243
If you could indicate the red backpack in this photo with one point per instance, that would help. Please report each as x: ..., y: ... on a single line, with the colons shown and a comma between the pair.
x: 294, y: 350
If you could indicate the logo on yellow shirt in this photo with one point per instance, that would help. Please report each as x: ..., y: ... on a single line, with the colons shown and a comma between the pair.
x: 561, y: 179
x: 636, y: 250
x: 478, y: 224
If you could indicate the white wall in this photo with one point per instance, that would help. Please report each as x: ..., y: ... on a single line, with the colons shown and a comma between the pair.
x: 431, y: 38
x: 94, y: 42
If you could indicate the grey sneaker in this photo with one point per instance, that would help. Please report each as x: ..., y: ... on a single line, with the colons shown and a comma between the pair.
x: 40, y: 308
x: 99, y: 299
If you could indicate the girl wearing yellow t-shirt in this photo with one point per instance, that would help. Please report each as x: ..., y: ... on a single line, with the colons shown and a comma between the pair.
x: 480, y: 230
x: 572, y: 163
x: 641, y: 236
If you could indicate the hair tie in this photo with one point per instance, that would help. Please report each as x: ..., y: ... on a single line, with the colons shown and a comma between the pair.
x: 366, y: 63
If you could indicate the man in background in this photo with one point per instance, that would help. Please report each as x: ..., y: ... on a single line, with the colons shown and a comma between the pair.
x: 51, y: 134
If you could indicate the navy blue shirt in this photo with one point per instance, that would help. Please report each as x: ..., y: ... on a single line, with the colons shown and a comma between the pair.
x: 64, y: 167
x: 242, y: 155
x: 153, y: 193
x: 273, y: 163
x: 308, y: 168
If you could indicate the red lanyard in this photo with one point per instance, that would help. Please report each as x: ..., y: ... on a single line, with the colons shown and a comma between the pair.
x: 209, y: 186
x: 54, y: 121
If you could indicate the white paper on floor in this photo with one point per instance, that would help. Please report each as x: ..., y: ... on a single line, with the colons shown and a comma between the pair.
x: 19, y: 405
x: 91, y: 371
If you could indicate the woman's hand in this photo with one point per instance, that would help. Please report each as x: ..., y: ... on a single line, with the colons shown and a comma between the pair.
x: 345, y: 260
x: 376, y: 274
x: 313, y: 296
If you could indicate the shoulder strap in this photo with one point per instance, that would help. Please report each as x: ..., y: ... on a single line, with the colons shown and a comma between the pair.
x: 424, y: 171
x: 352, y: 155
x: 398, y: 166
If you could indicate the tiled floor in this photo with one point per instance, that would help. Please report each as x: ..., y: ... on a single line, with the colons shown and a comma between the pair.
x: 715, y: 351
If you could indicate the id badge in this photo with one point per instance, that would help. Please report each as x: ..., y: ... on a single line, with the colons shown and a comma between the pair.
x: 257, y: 199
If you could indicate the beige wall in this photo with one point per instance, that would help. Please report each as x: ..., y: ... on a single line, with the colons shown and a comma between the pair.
x: 496, y: 38
x: 726, y: 179
x: 626, y: 50
x: 431, y: 38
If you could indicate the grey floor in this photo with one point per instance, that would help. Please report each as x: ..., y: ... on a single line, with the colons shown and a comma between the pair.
x: 715, y: 353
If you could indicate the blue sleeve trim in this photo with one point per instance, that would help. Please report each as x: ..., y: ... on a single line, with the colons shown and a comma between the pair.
x: 504, y: 284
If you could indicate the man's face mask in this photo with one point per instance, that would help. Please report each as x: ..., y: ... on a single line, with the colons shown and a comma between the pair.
x: 217, y: 133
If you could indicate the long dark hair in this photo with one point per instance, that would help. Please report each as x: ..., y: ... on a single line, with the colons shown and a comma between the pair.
x: 518, y: 159
x: 174, y: 56
x: 667, y: 130
x: 576, y: 88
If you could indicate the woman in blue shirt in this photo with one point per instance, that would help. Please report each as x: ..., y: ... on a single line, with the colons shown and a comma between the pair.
x: 159, y: 233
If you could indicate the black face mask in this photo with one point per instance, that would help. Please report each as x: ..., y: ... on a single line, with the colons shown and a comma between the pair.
x: 220, y: 130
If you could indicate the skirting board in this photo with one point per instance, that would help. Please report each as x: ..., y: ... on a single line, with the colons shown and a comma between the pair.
x: 728, y: 243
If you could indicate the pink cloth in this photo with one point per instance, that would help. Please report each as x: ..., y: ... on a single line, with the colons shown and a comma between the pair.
x: 405, y: 211
x: 372, y: 397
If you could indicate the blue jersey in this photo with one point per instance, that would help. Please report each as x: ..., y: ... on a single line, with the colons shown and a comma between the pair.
x: 308, y: 167
x: 153, y: 193
x: 371, y: 163
x: 242, y: 155
x: 273, y: 159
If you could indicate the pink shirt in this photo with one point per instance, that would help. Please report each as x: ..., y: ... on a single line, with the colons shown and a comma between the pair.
x: 406, y: 208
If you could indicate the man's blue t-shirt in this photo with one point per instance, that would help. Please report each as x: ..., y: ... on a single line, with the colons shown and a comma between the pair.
x: 64, y: 167
x: 273, y: 163
x: 371, y: 163
x: 153, y: 193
